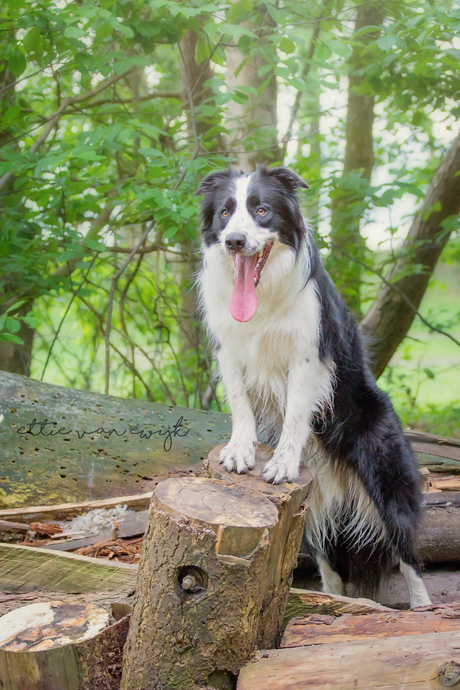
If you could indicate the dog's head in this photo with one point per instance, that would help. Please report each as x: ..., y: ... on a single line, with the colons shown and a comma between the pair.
x: 245, y: 215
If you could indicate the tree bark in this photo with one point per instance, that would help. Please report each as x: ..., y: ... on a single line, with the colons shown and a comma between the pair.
x: 195, y: 94
x: 13, y: 357
x: 193, y: 78
x: 391, y: 315
x: 255, y: 118
x: 213, y: 579
x: 289, y: 500
x: 348, y: 205
x: 198, y: 594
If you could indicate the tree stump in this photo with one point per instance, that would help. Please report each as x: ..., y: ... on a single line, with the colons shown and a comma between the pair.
x: 61, y: 646
x: 290, y: 501
x: 213, y: 579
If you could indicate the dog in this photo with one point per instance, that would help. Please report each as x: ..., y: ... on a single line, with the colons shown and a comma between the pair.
x: 294, y: 367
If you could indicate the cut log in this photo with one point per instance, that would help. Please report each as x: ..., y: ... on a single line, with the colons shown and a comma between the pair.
x: 61, y: 445
x: 25, y: 569
x: 387, y: 664
x: 317, y: 629
x: 446, y: 483
x: 118, y: 603
x: 302, y: 602
x: 7, y: 526
x: 65, y: 511
x: 439, y: 537
x: 290, y: 501
x: 208, y: 554
x: 61, y: 646
x: 199, y: 590
x: 438, y: 540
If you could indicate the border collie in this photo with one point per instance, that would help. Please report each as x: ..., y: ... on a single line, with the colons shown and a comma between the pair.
x: 294, y: 367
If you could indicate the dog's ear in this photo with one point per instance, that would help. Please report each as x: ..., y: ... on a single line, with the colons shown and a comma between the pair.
x: 287, y: 177
x: 212, y: 181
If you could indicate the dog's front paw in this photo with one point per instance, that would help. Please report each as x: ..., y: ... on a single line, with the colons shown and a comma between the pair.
x: 237, y: 457
x: 281, y: 468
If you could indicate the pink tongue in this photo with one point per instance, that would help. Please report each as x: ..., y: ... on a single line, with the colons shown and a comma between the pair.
x: 243, y: 302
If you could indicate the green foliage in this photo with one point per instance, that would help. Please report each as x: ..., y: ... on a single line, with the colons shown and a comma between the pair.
x: 102, y: 141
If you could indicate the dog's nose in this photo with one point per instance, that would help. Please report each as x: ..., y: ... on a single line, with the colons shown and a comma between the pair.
x: 236, y: 242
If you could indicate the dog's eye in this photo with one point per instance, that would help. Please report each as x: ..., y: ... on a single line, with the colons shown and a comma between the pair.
x: 224, y: 213
x: 261, y: 211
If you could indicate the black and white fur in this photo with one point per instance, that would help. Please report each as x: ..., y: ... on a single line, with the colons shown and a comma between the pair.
x: 298, y: 371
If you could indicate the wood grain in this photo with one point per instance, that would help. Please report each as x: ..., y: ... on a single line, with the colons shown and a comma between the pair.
x: 387, y: 664
x: 314, y: 629
x: 302, y: 602
x: 65, y: 511
x: 25, y: 569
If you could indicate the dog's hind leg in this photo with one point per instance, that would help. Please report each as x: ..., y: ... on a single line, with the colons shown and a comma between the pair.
x: 332, y: 582
x: 418, y: 596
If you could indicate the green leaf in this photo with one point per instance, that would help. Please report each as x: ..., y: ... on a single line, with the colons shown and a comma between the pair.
x: 31, y: 320
x: 17, y: 62
x: 10, y: 115
x: 14, y: 306
x: 31, y: 40
x: 95, y: 245
x: 242, y: 64
x: 411, y: 188
x: 140, y: 60
x: 429, y: 373
x: 104, y: 30
x: 287, y: 46
x: 9, y: 337
x: 323, y: 52
x: 386, y: 42
x: 238, y: 9
x: 12, y: 324
x: 169, y: 234
x: 455, y: 52
x: 151, y: 152
x: 74, y: 32
x: 86, y: 153
x: 126, y: 30
x: 340, y: 48
x: 201, y: 52
x: 264, y: 84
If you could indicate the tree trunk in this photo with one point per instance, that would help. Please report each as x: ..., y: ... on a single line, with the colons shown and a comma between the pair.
x: 393, y: 311
x: 61, y: 646
x: 252, y: 121
x: 195, y: 94
x: 14, y: 357
x: 213, y: 579
x: 348, y: 204
x: 193, y: 78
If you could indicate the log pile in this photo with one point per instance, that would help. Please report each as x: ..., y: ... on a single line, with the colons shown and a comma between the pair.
x: 387, y: 649
x: 213, y: 586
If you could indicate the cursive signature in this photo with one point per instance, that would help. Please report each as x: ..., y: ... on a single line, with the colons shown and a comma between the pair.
x: 49, y: 428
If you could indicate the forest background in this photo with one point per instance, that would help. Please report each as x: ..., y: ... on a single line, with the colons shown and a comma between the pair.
x: 112, y: 111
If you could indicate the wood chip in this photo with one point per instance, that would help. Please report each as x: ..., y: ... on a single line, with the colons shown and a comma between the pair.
x: 47, y: 529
